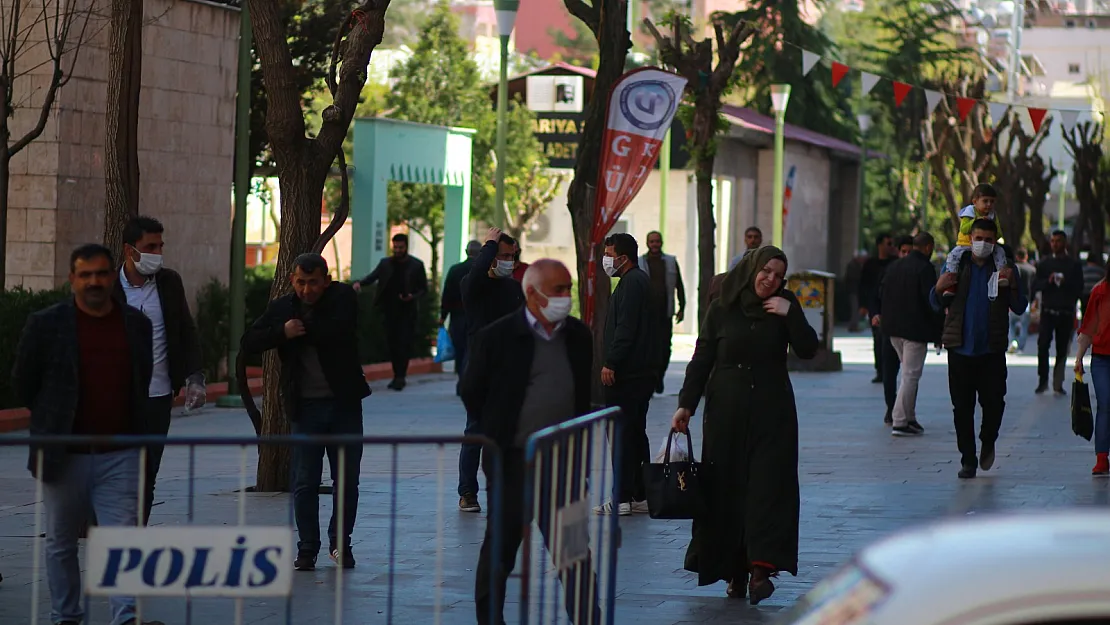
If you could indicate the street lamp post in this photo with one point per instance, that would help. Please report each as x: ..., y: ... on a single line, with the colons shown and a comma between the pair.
x: 1063, y: 200
x: 864, y: 125
x: 506, y: 20
x: 780, y: 96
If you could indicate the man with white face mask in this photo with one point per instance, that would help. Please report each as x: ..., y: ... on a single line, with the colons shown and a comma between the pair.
x: 527, y: 371
x: 488, y: 294
x: 159, y: 293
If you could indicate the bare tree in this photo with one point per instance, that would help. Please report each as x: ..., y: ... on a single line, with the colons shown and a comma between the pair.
x: 693, y: 60
x: 121, y: 147
x: 958, y: 152
x: 303, y: 165
x: 40, y: 38
x: 1011, y: 170
x: 1085, y: 146
x: 1038, y: 179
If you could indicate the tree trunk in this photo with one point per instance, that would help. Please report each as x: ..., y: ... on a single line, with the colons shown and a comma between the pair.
x: 434, y: 268
x: 301, y: 195
x: 707, y: 232
x: 121, y: 151
x: 5, y: 182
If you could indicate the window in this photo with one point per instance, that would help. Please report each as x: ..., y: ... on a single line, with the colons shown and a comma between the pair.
x: 1073, y: 68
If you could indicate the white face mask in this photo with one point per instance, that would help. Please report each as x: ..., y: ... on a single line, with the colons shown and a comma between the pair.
x: 557, y: 309
x: 149, y: 264
x: 504, y: 268
x: 608, y: 263
x: 982, y: 249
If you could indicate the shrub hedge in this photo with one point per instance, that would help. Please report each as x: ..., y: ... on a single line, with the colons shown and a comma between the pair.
x: 15, y: 306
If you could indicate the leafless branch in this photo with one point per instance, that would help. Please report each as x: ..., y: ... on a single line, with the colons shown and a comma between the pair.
x: 589, y: 14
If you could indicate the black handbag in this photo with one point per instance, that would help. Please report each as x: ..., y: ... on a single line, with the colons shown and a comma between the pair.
x: 674, y: 489
x: 1082, y: 421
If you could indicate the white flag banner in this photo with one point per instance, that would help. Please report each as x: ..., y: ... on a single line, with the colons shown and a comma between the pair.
x: 1068, y: 119
x: 868, y: 81
x: 998, y: 111
x: 932, y: 99
x: 809, y: 61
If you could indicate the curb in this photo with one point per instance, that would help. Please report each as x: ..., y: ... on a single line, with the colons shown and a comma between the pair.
x: 17, y: 419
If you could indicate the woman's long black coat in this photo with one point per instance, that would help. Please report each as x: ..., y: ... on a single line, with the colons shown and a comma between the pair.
x: 750, y: 440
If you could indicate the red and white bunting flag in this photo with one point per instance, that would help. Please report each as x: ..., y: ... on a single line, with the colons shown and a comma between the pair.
x: 998, y: 111
x: 932, y: 99
x: 965, y: 105
x: 868, y: 82
x: 901, y: 90
x: 839, y: 71
x: 1068, y: 119
x: 1037, y: 117
x: 809, y: 61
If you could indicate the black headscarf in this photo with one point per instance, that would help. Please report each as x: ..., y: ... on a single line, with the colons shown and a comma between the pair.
x: 738, y: 288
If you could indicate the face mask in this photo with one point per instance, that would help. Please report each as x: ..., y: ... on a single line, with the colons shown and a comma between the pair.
x: 504, y: 268
x: 982, y: 249
x: 608, y: 263
x: 557, y: 309
x: 149, y: 264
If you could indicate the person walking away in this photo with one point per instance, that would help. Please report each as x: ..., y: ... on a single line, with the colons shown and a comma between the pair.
x: 910, y: 323
x: 531, y: 370
x: 402, y: 282
x: 1060, y: 283
x: 1094, y: 334
x: 315, y: 331
x: 753, y: 239
x: 489, y: 293
x: 84, y: 367
x: 158, y: 292
x: 851, y: 284
x: 1093, y: 273
x: 666, y: 282
x: 451, y: 307
x: 630, y: 370
x: 1019, y: 324
x: 975, y: 334
x: 749, y: 532
x: 870, y: 277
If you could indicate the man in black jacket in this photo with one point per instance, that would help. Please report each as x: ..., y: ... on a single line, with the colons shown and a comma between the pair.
x: 1060, y: 282
x: 451, y: 306
x: 630, y: 370
x: 83, y: 367
x: 402, y: 281
x: 910, y: 323
x: 314, y: 330
x: 870, y: 276
x: 159, y: 293
x: 488, y: 293
x: 530, y: 370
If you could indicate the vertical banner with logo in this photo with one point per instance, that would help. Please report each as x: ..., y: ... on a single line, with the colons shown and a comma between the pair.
x: 641, y: 107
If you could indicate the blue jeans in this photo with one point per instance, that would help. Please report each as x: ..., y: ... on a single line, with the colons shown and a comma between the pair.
x: 325, y: 416
x: 106, y: 483
x: 1019, y: 329
x: 470, y: 458
x: 1100, y: 376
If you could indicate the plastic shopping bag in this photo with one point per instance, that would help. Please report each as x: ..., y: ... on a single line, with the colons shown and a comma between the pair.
x: 445, y: 349
x: 680, y: 452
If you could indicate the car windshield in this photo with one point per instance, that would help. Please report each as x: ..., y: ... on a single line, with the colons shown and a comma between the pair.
x: 846, y: 598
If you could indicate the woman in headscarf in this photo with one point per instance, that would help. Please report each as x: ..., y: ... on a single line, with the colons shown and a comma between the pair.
x: 749, y: 532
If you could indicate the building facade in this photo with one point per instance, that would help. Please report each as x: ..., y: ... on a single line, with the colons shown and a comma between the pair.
x: 186, y: 145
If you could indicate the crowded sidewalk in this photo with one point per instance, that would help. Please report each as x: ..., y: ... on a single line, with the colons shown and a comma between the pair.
x: 858, y: 484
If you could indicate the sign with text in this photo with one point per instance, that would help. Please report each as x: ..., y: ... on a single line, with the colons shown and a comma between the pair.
x: 190, y: 561
x: 641, y: 107
x: 559, y: 133
x: 572, y: 534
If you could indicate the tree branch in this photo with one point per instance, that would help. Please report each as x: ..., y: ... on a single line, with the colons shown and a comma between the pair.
x: 285, y: 126
x: 590, y: 15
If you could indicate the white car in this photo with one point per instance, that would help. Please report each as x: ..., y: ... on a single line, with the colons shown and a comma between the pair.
x: 1019, y: 569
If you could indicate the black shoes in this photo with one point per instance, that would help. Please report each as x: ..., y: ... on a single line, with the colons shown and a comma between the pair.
x: 967, y: 471
x: 1041, y: 388
x: 345, y: 560
x: 305, y: 562
x: 888, y: 419
x: 398, y: 384
x: 878, y: 379
x: 986, y: 458
x: 1059, y: 390
x: 913, y: 428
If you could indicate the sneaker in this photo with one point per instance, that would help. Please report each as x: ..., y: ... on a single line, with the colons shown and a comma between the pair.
x: 640, y: 507
x: 914, y: 425
x: 1059, y: 390
x: 623, y: 509
x: 904, y: 430
x: 1102, y: 465
x: 305, y: 562
x: 347, y: 560
x: 469, y: 503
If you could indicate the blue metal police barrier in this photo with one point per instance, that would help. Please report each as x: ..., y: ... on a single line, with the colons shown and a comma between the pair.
x: 216, y: 552
x: 572, y: 471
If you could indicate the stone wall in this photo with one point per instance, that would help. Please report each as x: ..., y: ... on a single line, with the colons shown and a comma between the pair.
x: 186, y: 148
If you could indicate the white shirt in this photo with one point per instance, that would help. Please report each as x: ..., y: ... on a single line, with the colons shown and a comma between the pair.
x: 145, y: 298
x: 538, y: 328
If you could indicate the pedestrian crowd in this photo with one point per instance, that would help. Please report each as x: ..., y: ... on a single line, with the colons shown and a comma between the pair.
x: 111, y: 360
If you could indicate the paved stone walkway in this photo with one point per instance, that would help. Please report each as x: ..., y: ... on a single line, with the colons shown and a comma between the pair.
x: 858, y: 484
